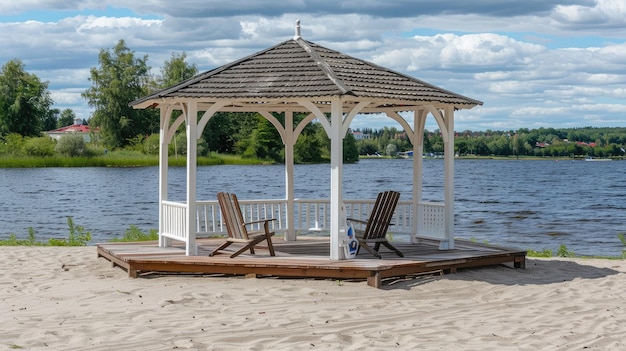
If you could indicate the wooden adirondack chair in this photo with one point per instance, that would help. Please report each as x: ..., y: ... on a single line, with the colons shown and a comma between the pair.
x: 237, y: 228
x: 376, y: 226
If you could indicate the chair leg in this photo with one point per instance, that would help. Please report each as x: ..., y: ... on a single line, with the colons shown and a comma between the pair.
x: 246, y: 247
x: 377, y: 246
x: 392, y: 248
x: 369, y: 249
x: 270, y: 245
x: 221, y: 247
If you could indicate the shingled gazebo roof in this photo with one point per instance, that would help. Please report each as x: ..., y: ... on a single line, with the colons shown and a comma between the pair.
x: 298, y: 69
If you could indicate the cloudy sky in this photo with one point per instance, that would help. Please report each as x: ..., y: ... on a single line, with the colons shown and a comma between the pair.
x: 534, y: 63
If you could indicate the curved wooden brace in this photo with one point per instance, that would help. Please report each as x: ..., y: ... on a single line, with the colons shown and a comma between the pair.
x: 279, y: 127
x: 208, y: 114
x: 439, y: 117
x: 296, y: 132
x: 420, y: 124
x: 177, y: 123
x: 407, y: 128
x: 168, y: 113
x: 318, y: 114
x: 350, y: 116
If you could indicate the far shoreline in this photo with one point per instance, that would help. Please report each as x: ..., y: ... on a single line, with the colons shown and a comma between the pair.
x: 216, y: 160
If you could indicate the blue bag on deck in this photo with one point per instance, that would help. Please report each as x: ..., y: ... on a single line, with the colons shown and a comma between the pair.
x: 352, y: 244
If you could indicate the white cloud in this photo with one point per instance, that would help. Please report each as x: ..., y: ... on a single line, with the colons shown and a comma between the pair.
x: 533, y: 63
x: 67, y: 97
x: 607, y: 13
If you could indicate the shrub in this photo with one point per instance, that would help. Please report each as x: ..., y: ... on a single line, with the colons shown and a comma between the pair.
x: 151, y: 145
x: 14, y: 144
x: 543, y: 253
x: 72, y: 145
x: 563, y: 252
x: 77, y: 236
x: 135, y: 234
x: 42, y: 146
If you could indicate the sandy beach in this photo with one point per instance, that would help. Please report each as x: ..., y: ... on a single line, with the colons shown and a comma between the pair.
x: 55, y: 298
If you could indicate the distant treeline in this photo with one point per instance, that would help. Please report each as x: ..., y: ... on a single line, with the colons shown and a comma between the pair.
x: 555, y: 142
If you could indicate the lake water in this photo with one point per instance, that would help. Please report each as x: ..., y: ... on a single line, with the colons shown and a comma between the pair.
x: 524, y: 204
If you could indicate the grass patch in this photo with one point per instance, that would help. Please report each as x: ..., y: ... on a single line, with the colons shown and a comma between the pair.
x: 544, y: 253
x: 135, y: 234
x: 122, y: 158
x: 77, y: 237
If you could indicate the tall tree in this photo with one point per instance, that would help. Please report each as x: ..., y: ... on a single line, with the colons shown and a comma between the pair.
x: 176, y: 70
x: 350, y: 150
x: 49, y: 122
x: 67, y: 118
x: 120, y: 79
x: 24, y: 101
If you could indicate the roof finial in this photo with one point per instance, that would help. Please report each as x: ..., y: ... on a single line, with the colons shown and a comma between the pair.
x: 297, y: 36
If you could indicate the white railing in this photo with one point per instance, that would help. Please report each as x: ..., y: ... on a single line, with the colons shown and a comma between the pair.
x: 310, y: 216
x: 208, y: 215
x: 174, y: 220
x: 431, y: 220
x: 314, y: 216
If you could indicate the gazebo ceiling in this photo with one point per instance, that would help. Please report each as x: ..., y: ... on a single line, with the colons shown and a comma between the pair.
x: 298, y: 69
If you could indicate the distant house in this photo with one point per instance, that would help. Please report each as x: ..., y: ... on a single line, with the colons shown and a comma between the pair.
x: 77, y: 128
x: 360, y: 135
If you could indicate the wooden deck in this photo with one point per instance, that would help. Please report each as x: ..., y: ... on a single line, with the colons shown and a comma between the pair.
x: 308, y: 257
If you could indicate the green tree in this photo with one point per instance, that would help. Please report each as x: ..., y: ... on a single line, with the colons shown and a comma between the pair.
x: 391, y: 150
x: 67, y: 118
x: 517, y: 144
x: 176, y: 70
x: 24, y: 101
x: 228, y: 132
x: 308, y: 147
x: 265, y: 142
x: 120, y: 79
x: 350, y: 150
x: 49, y: 122
x: 368, y: 147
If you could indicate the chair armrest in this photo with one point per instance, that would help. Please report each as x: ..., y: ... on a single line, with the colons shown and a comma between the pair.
x: 260, y: 221
x: 356, y: 220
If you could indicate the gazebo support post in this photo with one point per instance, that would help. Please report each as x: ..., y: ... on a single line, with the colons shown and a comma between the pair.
x: 448, y: 151
x: 289, y: 137
x: 419, y: 123
x: 191, y: 116
x: 163, y: 167
x: 336, y: 177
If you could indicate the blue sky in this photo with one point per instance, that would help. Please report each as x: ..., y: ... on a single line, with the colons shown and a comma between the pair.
x: 536, y: 63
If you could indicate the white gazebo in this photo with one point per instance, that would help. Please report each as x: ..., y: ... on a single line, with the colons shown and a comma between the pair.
x: 333, y: 88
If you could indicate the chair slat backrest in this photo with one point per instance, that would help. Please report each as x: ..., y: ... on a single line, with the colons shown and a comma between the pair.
x: 381, y: 215
x: 231, y: 215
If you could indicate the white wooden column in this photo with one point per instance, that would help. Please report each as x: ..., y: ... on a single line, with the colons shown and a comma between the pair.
x: 165, y: 113
x: 448, y: 151
x: 290, y: 235
x: 192, y: 142
x: 419, y: 123
x: 336, y: 177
